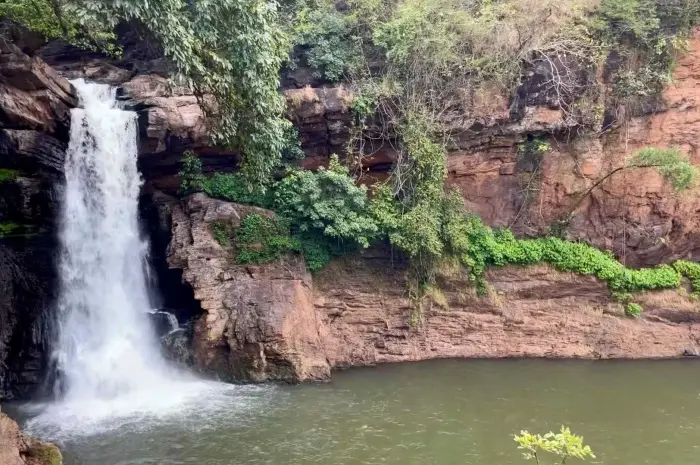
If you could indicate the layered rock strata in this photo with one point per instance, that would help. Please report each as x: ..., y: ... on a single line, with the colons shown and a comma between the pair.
x: 35, y: 108
x: 259, y: 322
x: 276, y: 322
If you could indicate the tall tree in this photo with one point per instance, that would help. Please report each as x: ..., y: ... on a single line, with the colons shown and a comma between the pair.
x: 228, y: 51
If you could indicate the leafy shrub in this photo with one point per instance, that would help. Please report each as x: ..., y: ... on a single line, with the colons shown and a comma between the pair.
x: 292, y: 149
x: 670, y: 163
x: 690, y: 270
x: 235, y: 188
x: 222, y: 232
x: 11, y: 229
x: 632, y: 309
x: 326, y: 202
x: 191, y: 177
x: 317, y: 250
x: 562, y: 445
x: 7, y: 174
x: 323, y: 39
x: 536, y: 146
x: 261, y: 239
x: 647, y: 35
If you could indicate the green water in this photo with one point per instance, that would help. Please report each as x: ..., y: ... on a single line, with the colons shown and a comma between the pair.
x: 447, y: 412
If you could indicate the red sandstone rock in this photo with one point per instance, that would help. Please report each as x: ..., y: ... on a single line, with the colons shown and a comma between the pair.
x: 259, y: 322
x: 531, y: 312
x: 273, y: 322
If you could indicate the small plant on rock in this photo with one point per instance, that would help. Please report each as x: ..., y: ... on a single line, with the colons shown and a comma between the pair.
x: 191, y: 177
x: 633, y: 310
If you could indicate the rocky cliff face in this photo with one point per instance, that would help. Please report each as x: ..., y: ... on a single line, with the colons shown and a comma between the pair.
x: 259, y: 322
x: 276, y: 322
x: 530, y: 312
x: 34, y: 123
x: 635, y: 214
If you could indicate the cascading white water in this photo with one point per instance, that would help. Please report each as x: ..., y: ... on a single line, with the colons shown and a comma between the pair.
x: 109, y: 361
x: 105, y: 345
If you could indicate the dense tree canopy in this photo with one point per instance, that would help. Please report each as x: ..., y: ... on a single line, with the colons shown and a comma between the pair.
x: 228, y: 51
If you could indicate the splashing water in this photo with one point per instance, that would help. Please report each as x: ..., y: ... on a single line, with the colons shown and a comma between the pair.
x: 108, y: 358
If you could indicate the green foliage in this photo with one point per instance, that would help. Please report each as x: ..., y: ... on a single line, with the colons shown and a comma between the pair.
x: 622, y: 297
x: 45, y: 453
x: 323, y: 39
x: 228, y: 51
x: 222, y: 232
x: 261, y: 239
x: 317, y: 250
x: 410, y: 213
x: 633, y: 310
x: 326, y: 202
x: 562, y: 445
x: 630, y: 17
x: 671, y: 163
x: 7, y: 174
x: 292, y: 149
x: 502, y: 248
x: 647, y: 35
x: 235, y: 188
x: 322, y: 213
x: 11, y: 229
x: 536, y: 146
x: 432, y: 30
x: 690, y: 270
x: 61, y: 19
x: 191, y: 177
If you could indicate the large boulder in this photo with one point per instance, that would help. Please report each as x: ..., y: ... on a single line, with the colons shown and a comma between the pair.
x: 259, y: 322
x: 17, y: 448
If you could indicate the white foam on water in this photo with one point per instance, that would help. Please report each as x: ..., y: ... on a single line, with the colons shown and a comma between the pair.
x: 110, y: 364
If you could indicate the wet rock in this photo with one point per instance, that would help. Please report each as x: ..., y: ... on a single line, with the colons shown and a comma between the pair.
x: 16, y: 448
x: 31, y: 150
x: 177, y: 346
x: 691, y: 352
x: 32, y: 94
x: 35, y: 108
x: 163, y: 322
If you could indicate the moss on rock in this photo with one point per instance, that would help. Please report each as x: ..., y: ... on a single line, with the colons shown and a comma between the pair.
x: 43, y: 453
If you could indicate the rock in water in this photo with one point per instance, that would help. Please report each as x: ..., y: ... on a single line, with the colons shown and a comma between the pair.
x: 259, y: 322
x: 163, y: 322
x: 177, y: 346
x: 16, y: 448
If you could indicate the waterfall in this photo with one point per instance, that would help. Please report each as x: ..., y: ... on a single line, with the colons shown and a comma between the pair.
x: 110, y: 367
x: 105, y: 345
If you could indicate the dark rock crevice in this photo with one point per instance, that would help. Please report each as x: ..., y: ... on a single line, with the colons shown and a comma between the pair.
x: 171, y: 291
